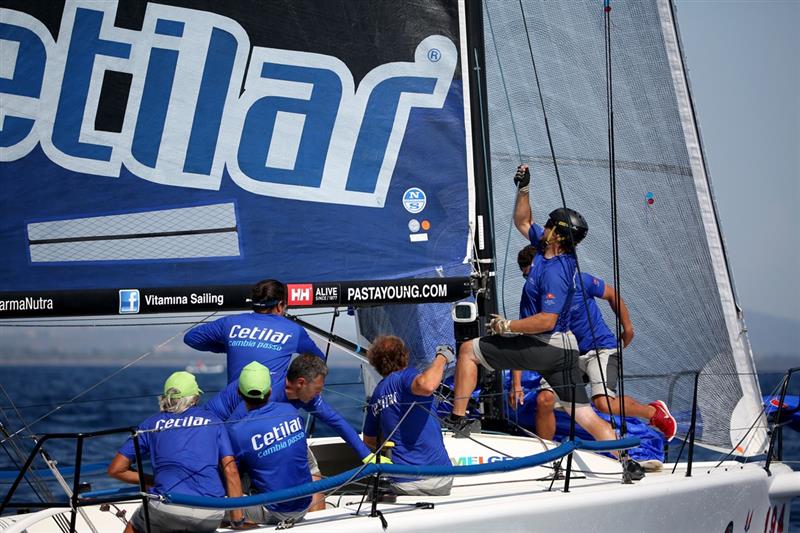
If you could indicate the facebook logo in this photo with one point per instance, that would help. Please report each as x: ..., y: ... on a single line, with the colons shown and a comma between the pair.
x: 128, y: 301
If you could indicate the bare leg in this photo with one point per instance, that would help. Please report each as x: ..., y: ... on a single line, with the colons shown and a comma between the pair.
x: 632, y: 407
x: 466, y: 377
x: 129, y: 528
x: 596, y: 426
x: 546, y: 414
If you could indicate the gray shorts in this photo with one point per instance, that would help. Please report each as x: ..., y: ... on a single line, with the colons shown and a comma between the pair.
x: 599, y: 367
x: 260, y: 514
x: 432, y: 486
x: 166, y: 517
x: 554, y: 356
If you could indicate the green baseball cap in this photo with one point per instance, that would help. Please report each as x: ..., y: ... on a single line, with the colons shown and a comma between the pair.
x: 183, y: 385
x: 254, y: 381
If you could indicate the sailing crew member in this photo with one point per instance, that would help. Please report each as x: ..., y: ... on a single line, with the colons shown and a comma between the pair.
x: 599, y: 354
x: 540, y: 340
x: 400, y: 411
x: 264, y: 335
x: 188, y: 447
x: 270, y: 445
x: 304, y: 382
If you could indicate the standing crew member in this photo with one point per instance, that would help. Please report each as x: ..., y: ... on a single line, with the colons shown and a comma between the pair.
x: 264, y: 335
x: 540, y: 340
x: 414, y: 429
x: 270, y: 446
x: 188, y: 446
x: 599, y: 365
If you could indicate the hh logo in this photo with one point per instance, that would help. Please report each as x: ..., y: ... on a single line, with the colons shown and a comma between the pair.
x: 129, y: 301
x: 300, y: 294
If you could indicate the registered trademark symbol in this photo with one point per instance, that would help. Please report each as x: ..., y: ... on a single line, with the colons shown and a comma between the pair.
x: 434, y: 54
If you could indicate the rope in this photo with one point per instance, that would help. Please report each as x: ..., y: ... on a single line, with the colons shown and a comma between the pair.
x: 612, y: 173
x: 398, y: 470
x: 519, y: 151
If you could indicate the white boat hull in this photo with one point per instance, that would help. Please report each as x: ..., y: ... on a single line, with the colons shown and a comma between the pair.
x: 708, y: 501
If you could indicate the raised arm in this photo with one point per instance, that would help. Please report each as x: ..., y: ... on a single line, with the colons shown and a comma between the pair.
x: 621, y: 310
x: 523, y: 217
x: 428, y: 381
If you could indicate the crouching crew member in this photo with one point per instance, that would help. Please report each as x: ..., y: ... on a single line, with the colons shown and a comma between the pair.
x: 188, y: 446
x: 304, y: 383
x: 270, y: 445
x: 401, y: 407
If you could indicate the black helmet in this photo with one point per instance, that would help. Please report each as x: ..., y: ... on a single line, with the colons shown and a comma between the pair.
x: 568, y: 222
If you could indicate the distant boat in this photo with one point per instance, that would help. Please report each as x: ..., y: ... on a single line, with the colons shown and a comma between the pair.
x: 199, y: 367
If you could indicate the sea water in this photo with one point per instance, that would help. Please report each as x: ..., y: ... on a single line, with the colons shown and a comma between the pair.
x: 126, y: 399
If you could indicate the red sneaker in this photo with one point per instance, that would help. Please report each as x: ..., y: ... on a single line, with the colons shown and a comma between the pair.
x: 663, y: 420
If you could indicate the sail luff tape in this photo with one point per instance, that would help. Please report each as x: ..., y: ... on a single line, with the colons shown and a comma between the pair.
x: 182, y: 233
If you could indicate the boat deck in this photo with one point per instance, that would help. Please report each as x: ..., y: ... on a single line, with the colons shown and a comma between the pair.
x: 524, y: 500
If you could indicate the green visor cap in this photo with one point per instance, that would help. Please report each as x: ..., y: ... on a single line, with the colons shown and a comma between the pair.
x: 254, y: 381
x: 182, y: 384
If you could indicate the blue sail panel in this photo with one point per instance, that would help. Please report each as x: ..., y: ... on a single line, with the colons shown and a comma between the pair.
x: 160, y: 146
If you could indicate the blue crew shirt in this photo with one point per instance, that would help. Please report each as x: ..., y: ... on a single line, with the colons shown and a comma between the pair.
x: 603, y: 337
x: 270, y: 444
x: 418, y: 439
x: 549, y: 287
x: 186, y: 454
x: 228, y: 405
x: 267, y: 338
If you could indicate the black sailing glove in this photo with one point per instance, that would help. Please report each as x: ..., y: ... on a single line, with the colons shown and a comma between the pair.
x: 522, y: 179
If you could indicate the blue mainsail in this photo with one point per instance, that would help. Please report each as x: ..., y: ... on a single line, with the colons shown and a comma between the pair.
x: 158, y: 146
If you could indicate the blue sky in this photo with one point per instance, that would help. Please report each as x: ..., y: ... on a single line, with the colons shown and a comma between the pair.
x: 744, y: 67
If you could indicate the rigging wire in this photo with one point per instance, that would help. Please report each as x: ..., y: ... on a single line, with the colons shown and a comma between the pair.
x: 104, y: 380
x: 36, y: 481
x: 567, y: 378
x: 519, y: 151
x: 612, y: 172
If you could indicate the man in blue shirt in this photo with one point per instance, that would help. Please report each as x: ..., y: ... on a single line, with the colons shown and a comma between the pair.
x: 304, y: 382
x: 264, y: 335
x: 400, y: 411
x: 270, y: 445
x: 599, y: 353
x: 188, y: 447
x: 540, y: 340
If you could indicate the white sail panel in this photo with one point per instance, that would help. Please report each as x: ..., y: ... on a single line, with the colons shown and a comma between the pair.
x: 673, y: 272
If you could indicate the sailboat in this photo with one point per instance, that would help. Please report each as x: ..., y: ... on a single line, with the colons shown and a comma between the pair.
x: 200, y: 367
x: 172, y: 155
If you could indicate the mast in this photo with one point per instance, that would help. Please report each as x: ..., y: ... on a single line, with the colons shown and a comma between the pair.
x: 483, y: 233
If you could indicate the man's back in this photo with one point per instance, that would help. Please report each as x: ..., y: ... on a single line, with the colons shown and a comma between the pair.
x: 268, y: 338
x: 585, y: 311
x: 185, y: 452
x: 549, y: 289
x: 418, y: 439
x: 270, y: 444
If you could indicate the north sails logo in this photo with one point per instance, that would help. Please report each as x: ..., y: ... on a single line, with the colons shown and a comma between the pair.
x: 185, y: 119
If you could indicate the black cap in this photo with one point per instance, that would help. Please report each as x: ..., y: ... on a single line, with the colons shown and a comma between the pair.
x: 568, y: 222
